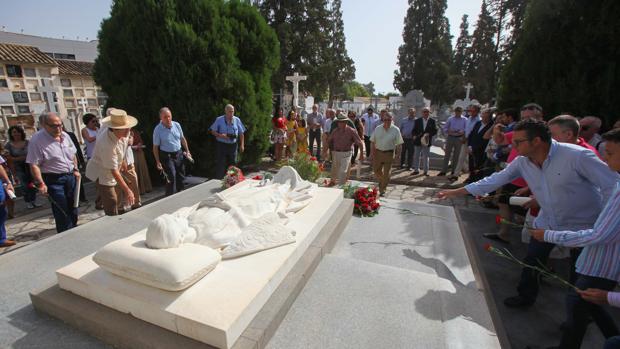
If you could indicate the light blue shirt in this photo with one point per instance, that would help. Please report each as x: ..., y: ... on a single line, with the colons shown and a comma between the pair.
x: 406, y: 127
x: 455, y: 124
x: 370, y: 123
x: 471, y: 122
x: 571, y: 187
x: 168, y: 139
x: 221, y: 126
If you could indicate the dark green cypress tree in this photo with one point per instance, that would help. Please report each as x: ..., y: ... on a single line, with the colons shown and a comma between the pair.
x: 339, y: 66
x: 482, y: 59
x: 566, y: 59
x: 461, y: 48
x: 194, y: 56
x: 425, y: 57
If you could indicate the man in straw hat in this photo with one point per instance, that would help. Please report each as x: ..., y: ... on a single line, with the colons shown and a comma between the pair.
x: 340, y: 141
x: 54, y: 167
x: 104, y: 167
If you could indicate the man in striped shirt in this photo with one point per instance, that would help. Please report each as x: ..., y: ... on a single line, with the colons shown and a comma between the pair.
x: 598, y: 266
x: 569, y: 182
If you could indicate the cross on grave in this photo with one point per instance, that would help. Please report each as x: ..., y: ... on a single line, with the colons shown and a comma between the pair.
x: 468, y: 87
x: 295, y: 79
x: 49, y: 91
x: 83, y: 102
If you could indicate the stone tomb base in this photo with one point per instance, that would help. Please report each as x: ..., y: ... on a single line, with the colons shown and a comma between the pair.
x: 239, y: 304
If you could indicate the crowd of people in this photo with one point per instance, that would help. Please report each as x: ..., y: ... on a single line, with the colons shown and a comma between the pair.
x: 569, y: 173
x: 567, y: 169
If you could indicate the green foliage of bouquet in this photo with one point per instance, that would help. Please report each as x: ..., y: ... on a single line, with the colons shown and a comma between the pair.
x: 306, y: 165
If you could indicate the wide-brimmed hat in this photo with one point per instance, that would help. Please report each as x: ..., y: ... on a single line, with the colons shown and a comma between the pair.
x: 341, y: 117
x: 119, y: 119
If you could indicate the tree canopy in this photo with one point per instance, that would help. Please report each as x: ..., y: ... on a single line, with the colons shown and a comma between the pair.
x: 194, y: 56
x: 425, y: 57
x: 311, y: 34
x: 566, y: 59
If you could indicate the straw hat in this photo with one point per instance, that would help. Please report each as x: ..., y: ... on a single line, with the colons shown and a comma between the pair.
x: 341, y: 117
x: 119, y: 119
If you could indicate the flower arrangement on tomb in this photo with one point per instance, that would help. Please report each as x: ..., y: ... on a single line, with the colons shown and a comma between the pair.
x: 306, y: 165
x: 233, y: 176
x: 366, y: 202
x: 504, y: 253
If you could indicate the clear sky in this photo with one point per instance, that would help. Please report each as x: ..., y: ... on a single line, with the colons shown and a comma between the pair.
x: 373, y: 28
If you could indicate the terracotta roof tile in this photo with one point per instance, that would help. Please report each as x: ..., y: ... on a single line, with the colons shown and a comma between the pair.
x: 23, y: 54
x: 67, y: 67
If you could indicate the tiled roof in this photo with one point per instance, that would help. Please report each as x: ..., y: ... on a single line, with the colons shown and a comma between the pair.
x: 66, y: 67
x: 23, y: 54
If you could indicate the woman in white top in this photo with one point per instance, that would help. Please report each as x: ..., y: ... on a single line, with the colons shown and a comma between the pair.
x: 89, y: 133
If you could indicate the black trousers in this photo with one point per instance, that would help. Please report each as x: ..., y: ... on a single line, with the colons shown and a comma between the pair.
x: 174, y: 168
x: 226, y: 155
x: 406, y: 158
x: 312, y: 136
x: 537, y: 254
x: 367, y: 145
x: 476, y: 163
x: 578, y: 310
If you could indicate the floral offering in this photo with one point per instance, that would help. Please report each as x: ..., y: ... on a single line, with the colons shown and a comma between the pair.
x: 233, y: 176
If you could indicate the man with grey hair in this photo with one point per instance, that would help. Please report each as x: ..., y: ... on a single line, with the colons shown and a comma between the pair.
x: 590, y: 125
x: 315, y: 122
x: 385, y: 141
x: 228, y: 131
x: 565, y: 129
x: 54, y: 168
x: 169, y: 145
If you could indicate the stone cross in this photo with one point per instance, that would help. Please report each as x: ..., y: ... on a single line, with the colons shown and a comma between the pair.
x: 83, y: 102
x: 48, y: 91
x: 468, y: 87
x: 295, y: 79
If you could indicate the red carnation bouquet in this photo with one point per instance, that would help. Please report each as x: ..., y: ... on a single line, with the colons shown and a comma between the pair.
x: 366, y: 201
x: 232, y: 177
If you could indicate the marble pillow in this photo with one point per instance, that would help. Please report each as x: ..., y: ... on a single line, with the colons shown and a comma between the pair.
x: 170, y: 269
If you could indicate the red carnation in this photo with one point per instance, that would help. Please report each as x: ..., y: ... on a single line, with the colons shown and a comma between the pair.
x: 257, y: 177
x: 487, y: 247
x: 498, y: 219
x: 313, y: 158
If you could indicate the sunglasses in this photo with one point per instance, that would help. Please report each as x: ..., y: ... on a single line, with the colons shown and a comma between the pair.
x: 585, y: 127
x: 54, y: 125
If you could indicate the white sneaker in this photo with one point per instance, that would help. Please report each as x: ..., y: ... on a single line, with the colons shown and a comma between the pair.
x: 36, y: 205
x: 29, y: 205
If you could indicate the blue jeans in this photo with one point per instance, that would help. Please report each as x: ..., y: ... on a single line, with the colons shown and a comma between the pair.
x: 60, y: 188
x: 537, y: 254
x: 612, y: 343
x: 2, y: 216
x: 226, y: 155
x: 174, y: 168
x: 578, y: 311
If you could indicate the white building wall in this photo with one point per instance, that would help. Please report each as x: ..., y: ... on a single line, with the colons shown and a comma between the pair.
x: 85, y: 51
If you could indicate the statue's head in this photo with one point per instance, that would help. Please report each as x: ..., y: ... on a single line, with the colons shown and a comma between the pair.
x: 166, y: 231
